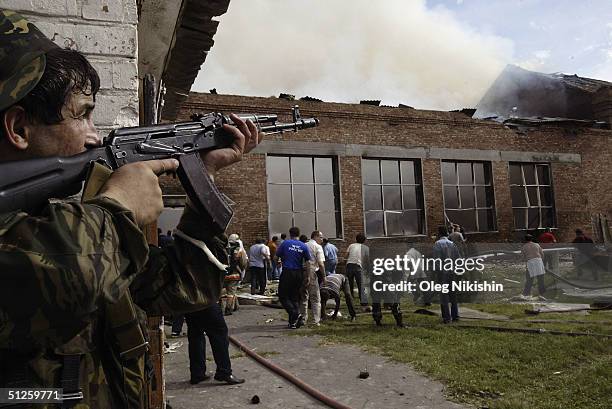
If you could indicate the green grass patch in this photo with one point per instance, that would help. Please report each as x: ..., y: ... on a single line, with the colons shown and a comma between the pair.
x: 498, y: 370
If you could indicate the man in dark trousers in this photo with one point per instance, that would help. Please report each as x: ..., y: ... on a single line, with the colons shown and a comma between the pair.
x: 444, y: 249
x: 331, y: 288
x: 293, y: 254
x: 210, y: 321
x: 583, y: 258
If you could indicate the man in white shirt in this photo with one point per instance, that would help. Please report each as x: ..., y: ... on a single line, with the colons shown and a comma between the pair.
x: 357, y: 259
x: 310, y: 291
x: 259, y: 256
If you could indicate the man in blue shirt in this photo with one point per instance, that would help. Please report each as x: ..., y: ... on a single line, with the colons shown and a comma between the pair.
x: 331, y: 257
x: 293, y: 254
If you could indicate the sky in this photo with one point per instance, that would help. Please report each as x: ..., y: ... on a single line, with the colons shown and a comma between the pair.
x: 429, y: 54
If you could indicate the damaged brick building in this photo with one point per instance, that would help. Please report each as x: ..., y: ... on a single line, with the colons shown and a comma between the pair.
x: 396, y: 173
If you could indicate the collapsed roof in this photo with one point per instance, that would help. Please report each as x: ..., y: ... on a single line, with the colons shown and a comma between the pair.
x: 519, y: 93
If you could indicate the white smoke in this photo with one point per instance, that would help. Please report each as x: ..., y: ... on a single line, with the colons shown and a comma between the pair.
x: 398, y: 51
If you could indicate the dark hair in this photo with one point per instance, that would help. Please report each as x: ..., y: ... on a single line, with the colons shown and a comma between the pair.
x: 66, y: 71
x: 283, y: 236
x: 528, y: 237
x: 303, y: 238
x: 578, y: 231
x: 315, y: 234
x: 442, y: 231
x: 294, y: 232
x: 360, y: 238
x: 325, y: 241
x: 274, y: 238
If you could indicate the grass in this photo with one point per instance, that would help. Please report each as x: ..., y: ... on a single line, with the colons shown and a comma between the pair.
x: 498, y: 370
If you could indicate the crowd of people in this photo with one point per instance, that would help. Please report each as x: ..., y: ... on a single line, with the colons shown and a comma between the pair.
x: 306, y: 273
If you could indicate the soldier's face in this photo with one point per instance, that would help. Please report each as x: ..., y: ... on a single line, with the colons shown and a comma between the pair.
x: 74, y: 134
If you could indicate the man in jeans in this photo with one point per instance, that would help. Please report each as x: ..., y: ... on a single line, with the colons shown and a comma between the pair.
x: 273, y: 244
x: 331, y: 257
x: 259, y: 257
x: 293, y: 254
x: 444, y: 249
x: 357, y: 259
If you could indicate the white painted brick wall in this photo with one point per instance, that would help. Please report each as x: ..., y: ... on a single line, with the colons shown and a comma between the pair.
x: 106, y: 32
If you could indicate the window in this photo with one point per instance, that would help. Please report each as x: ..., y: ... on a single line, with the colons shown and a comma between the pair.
x: 303, y: 192
x: 468, y: 195
x: 392, y: 197
x: 532, y: 195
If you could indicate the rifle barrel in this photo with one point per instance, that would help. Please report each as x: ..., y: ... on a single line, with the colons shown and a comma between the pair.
x: 301, y: 124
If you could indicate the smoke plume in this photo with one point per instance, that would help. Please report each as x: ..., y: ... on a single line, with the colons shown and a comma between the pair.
x: 398, y: 51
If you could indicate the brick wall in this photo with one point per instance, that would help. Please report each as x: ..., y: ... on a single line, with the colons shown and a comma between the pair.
x: 105, y: 31
x: 582, y: 184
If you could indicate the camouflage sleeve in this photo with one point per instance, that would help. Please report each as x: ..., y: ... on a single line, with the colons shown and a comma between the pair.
x: 57, y: 269
x: 180, y: 277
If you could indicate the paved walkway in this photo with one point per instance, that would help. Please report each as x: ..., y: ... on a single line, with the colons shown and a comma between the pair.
x: 332, y: 369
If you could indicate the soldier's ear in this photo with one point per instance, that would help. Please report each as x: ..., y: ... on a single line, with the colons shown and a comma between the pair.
x: 16, y: 129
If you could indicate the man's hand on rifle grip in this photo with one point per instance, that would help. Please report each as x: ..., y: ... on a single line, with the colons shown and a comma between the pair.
x: 246, y: 138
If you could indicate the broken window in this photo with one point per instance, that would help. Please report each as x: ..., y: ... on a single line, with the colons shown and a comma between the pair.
x: 392, y: 197
x: 468, y: 195
x: 532, y: 195
x: 303, y: 192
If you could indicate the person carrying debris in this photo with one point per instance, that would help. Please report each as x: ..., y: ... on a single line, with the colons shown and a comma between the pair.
x: 331, y: 289
x: 534, y: 254
x: 238, y: 261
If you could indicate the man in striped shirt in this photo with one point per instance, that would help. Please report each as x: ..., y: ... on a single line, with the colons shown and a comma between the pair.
x: 331, y: 289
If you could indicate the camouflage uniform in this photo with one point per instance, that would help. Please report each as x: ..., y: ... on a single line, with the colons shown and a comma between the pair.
x: 65, y: 269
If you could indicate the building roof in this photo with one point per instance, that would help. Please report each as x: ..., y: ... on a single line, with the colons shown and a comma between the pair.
x: 192, y: 41
x: 519, y: 93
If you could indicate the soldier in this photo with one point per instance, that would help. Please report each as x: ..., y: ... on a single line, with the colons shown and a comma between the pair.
x: 77, y: 278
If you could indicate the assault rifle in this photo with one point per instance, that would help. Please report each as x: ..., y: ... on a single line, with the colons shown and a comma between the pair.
x: 28, y: 184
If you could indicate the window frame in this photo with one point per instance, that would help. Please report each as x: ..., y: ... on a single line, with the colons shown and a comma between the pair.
x: 418, y: 176
x: 537, y: 185
x: 336, y: 190
x: 487, y: 167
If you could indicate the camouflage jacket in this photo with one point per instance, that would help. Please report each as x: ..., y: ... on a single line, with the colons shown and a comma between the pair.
x: 58, y: 271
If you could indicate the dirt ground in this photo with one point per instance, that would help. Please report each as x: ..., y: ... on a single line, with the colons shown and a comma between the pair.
x: 332, y: 369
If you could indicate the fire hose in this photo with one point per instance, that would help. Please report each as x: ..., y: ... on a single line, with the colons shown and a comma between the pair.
x: 321, y: 397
